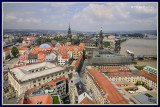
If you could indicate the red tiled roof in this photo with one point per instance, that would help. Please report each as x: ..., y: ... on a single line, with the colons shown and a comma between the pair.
x: 64, y: 53
x: 139, y: 73
x: 45, y: 99
x: 21, y: 99
x: 147, y: 75
x: 30, y: 90
x: 115, y: 69
x: 119, y: 74
x: 130, y: 87
x: 51, y: 83
x: 86, y: 100
x: 114, y: 96
x: 123, y: 84
x: 6, y: 49
x: 63, y: 77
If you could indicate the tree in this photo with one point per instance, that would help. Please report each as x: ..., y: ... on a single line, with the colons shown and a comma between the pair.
x: 14, y: 51
x: 76, y: 41
x: 20, y: 40
x: 39, y: 41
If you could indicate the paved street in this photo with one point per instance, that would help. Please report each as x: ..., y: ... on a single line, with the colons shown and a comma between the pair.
x: 83, y: 68
x: 9, y: 64
x: 10, y: 101
x: 6, y: 65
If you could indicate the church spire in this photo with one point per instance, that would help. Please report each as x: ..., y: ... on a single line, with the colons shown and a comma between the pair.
x: 69, y: 30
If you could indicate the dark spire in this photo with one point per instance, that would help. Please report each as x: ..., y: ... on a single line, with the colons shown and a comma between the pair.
x: 69, y: 30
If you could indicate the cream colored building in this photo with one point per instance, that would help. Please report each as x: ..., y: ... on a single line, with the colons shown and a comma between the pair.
x: 148, y: 79
x: 24, y: 78
x: 103, y: 90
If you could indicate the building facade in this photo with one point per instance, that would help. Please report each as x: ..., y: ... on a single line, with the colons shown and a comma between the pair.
x: 30, y: 76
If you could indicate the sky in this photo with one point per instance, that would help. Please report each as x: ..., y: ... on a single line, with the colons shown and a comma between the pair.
x: 110, y: 16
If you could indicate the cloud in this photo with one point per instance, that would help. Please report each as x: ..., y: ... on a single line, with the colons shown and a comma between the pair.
x: 117, y: 15
x: 63, y: 5
x: 82, y: 16
x: 94, y: 13
x: 29, y: 20
x: 9, y: 17
x: 45, y: 10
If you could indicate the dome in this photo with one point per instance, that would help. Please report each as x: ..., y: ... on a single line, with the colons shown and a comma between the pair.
x: 44, y: 46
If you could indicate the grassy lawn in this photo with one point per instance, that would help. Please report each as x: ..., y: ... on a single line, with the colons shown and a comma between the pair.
x: 139, y: 67
x: 55, y: 100
x: 107, y: 44
x: 48, y: 88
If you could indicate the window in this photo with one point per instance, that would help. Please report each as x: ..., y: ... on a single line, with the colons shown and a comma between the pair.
x: 47, y: 77
x: 39, y: 79
x: 34, y: 81
x: 34, y: 85
x: 43, y: 78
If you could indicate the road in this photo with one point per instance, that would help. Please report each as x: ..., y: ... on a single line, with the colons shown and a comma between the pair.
x: 83, y: 68
x: 9, y: 64
x: 10, y: 101
x: 6, y: 65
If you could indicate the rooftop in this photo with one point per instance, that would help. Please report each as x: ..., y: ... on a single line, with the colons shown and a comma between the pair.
x: 44, y: 46
x: 114, y: 96
x: 40, y: 99
x: 86, y: 100
x: 106, y: 57
x: 145, y: 98
x: 21, y: 73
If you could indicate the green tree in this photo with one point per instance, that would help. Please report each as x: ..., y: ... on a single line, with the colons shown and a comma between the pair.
x: 107, y: 44
x: 39, y: 41
x: 76, y: 41
x: 20, y: 40
x: 14, y: 51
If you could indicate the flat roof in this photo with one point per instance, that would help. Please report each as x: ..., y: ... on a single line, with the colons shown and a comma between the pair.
x: 106, y: 57
x: 145, y: 98
x: 23, y: 76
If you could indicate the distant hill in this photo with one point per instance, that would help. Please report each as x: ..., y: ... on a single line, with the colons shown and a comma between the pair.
x: 154, y: 32
x: 34, y: 31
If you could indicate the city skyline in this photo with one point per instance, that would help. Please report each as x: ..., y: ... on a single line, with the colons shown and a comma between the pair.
x: 81, y: 16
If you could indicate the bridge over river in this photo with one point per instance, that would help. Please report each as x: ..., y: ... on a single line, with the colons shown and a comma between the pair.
x: 145, y: 57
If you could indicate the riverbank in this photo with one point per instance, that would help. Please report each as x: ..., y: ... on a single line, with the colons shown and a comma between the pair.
x: 141, y: 47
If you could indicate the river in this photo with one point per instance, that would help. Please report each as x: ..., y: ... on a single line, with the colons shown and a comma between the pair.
x: 141, y: 47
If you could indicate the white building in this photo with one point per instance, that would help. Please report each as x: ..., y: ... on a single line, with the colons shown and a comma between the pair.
x: 64, y: 57
x: 30, y: 76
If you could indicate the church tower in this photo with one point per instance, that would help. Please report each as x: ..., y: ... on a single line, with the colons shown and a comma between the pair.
x: 100, y: 42
x: 69, y: 37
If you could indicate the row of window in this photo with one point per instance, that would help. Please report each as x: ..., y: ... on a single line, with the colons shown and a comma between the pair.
x: 49, y: 76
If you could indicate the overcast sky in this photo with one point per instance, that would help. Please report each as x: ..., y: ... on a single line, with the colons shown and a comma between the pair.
x: 81, y: 16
